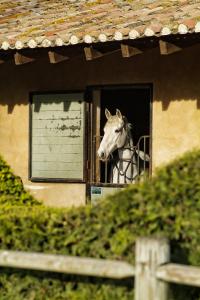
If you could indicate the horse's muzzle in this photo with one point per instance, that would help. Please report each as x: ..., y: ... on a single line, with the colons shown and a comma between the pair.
x: 102, y: 156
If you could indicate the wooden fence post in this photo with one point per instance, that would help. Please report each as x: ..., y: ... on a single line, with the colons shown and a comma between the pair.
x: 150, y: 253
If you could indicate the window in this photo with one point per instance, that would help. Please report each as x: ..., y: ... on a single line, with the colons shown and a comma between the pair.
x: 57, y: 131
x: 134, y: 102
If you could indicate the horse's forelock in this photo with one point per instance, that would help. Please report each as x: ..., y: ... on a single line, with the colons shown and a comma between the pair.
x: 114, y: 119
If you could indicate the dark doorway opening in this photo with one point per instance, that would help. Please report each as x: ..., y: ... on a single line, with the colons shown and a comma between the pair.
x: 135, y: 104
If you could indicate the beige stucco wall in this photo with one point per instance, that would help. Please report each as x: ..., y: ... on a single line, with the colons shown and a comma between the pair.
x: 175, y: 109
x: 175, y: 130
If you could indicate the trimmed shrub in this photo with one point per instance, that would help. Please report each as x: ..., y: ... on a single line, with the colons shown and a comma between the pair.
x: 12, y: 191
x: 168, y: 205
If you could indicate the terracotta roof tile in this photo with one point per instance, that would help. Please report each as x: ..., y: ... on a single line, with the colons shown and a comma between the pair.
x: 38, y: 20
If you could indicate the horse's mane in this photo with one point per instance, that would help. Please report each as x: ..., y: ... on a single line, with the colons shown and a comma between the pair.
x: 128, y: 126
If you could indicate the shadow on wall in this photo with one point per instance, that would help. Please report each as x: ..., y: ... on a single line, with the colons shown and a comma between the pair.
x: 174, y: 77
x: 178, y: 77
x: 18, y: 82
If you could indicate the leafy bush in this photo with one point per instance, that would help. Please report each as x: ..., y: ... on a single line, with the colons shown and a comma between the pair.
x: 168, y: 205
x: 11, y: 188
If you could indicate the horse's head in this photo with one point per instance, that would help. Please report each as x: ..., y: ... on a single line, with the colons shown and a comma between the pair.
x: 115, y: 134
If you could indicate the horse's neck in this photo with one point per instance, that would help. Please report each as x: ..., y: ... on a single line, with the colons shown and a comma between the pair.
x: 127, y: 150
x: 125, y: 170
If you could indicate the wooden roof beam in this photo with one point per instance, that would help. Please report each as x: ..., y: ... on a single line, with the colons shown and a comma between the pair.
x: 167, y: 48
x: 55, y: 57
x: 91, y: 53
x: 128, y: 51
x: 21, y: 59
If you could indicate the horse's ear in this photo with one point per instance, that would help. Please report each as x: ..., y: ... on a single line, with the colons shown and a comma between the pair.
x: 107, y: 113
x: 118, y: 113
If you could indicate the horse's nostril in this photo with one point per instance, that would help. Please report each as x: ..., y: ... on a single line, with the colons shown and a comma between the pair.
x: 101, y: 155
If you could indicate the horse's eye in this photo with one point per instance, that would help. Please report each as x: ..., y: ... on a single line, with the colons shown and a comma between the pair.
x: 117, y: 130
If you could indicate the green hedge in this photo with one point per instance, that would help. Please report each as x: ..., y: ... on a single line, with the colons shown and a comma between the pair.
x: 168, y: 205
x: 11, y: 188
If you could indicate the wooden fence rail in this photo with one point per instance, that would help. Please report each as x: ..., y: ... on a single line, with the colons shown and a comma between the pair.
x: 153, y: 270
x: 66, y: 264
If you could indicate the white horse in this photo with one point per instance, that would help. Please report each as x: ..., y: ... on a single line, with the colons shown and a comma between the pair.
x: 117, y: 135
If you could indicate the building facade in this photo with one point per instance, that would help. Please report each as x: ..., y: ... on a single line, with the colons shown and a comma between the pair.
x: 53, y: 97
